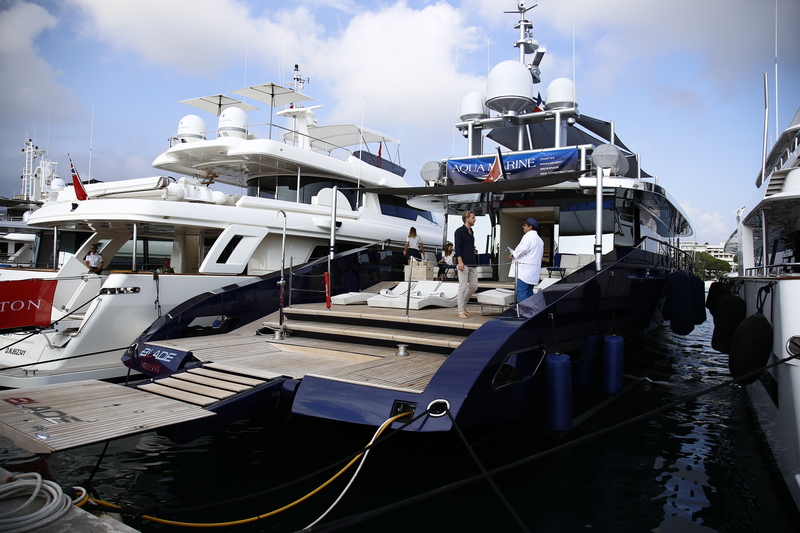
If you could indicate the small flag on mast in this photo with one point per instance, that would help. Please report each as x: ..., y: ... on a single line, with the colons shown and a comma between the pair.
x: 496, y: 170
x: 80, y: 192
x: 539, y: 104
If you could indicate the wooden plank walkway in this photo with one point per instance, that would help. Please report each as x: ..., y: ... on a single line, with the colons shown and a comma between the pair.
x: 58, y: 417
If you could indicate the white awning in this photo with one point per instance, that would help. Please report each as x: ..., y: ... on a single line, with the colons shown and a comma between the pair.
x: 340, y: 135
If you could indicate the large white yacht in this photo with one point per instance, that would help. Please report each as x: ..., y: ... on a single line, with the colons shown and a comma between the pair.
x: 190, y: 237
x: 766, y: 290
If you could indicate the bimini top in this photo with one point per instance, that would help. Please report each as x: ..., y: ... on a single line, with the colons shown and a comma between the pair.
x: 340, y: 135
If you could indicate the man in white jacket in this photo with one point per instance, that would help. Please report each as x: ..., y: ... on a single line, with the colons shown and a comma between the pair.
x: 527, y: 259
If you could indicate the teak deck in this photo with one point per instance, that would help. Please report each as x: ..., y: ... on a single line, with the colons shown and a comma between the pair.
x: 57, y: 417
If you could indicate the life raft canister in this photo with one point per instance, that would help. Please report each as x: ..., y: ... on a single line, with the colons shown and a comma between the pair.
x: 678, y: 303
x: 750, y: 347
x: 729, y: 312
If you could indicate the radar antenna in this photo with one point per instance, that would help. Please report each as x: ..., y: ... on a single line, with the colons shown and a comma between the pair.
x: 526, y: 43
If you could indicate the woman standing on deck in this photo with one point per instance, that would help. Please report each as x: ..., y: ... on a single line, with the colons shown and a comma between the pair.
x: 414, y: 246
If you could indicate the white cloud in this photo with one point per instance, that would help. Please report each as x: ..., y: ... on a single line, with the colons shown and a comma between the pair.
x: 709, y: 227
x: 29, y: 82
x: 194, y: 36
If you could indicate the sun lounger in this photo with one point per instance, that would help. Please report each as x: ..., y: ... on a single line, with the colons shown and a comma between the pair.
x: 446, y: 295
x: 348, y: 298
x: 396, y: 298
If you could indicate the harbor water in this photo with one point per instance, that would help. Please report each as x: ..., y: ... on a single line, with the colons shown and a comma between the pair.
x: 702, y: 466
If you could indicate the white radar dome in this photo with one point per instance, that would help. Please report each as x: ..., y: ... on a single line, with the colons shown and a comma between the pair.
x: 560, y: 94
x: 509, y: 87
x: 57, y: 184
x: 473, y: 107
x: 233, y: 123
x: 191, y: 129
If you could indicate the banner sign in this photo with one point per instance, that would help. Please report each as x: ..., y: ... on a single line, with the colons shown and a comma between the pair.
x: 518, y: 165
x: 27, y: 302
x: 157, y: 361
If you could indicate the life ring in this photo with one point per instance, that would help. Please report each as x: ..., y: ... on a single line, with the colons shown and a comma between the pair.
x: 678, y: 303
x: 698, y: 291
x: 729, y: 312
x: 750, y: 347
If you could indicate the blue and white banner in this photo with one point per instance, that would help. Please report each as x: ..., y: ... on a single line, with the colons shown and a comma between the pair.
x: 518, y: 165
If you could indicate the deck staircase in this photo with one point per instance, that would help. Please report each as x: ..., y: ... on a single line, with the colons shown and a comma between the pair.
x: 426, y: 331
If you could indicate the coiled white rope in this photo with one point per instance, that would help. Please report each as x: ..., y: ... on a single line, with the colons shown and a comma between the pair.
x: 28, y: 517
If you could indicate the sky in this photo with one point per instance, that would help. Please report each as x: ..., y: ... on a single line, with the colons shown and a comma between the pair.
x: 682, y: 80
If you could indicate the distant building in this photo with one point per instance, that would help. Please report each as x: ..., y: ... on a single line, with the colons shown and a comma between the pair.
x: 714, y: 250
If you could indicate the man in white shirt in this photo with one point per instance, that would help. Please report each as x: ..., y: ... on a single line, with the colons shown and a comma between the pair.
x: 527, y: 260
x: 94, y: 260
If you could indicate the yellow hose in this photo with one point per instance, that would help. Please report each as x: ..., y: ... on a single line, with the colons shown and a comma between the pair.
x: 386, y: 424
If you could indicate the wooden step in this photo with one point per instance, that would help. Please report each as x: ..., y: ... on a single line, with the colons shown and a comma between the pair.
x: 362, y: 333
x: 426, y: 317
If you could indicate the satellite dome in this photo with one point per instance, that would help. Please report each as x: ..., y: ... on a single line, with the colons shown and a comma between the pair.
x: 509, y: 87
x: 560, y: 94
x: 191, y: 129
x: 233, y: 123
x: 57, y: 184
x: 473, y: 107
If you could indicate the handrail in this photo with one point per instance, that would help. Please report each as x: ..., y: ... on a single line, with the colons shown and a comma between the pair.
x: 767, y: 271
x: 678, y: 257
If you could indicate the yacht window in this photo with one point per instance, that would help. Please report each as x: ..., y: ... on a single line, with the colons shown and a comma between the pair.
x: 394, y: 206
x: 310, y: 187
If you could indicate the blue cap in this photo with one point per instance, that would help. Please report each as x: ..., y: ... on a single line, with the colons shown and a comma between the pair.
x: 533, y: 223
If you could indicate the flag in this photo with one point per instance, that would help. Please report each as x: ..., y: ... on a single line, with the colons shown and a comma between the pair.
x: 380, y: 149
x: 80, y: 192
x: 538, y: 105
x: 495, y: 171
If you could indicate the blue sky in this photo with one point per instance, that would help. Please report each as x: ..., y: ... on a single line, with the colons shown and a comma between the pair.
x: 682, y: 80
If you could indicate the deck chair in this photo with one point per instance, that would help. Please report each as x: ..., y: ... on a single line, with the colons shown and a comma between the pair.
x: 396, y: 298
x: 446, y: 295
x: 349, y: 298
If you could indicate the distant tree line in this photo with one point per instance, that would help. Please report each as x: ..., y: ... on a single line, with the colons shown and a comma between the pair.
x: 709, y: 267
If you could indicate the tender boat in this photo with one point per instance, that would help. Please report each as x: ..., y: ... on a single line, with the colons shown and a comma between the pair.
x: 166, y: 239
x: 756, y: 316
x: 394, y: 346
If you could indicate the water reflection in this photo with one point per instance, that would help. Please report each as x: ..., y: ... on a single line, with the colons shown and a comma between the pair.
x: 702, y: 467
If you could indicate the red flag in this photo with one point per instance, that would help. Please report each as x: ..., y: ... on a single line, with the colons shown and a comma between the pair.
x: 80, y: 192
x: 495, y: 171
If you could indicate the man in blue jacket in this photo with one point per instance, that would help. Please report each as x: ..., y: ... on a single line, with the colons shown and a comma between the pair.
x: 467, y: 262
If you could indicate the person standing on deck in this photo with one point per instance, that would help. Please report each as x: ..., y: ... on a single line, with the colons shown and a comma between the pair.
x: 527, y: 260
x: 94, y: 260
x: 467, y: 262
x: 414, y: 246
